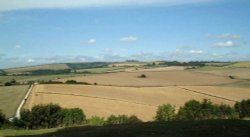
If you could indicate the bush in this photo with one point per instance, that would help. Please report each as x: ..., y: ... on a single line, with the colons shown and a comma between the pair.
x: 3, y: 119
x: 142, y: 76
x: 71, y: 82
x: 96, y: 121
x: 243, y: 108
x: 122, y: 119
x: 165, y: 112
x: 73, y: 116
x: 7, y: 84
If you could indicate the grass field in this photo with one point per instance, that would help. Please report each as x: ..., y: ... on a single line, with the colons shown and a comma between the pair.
x: 107, y: 100
x: 206, y: 128
x: 10, y: 98
x: 155, y: 78
x: 25, y: 69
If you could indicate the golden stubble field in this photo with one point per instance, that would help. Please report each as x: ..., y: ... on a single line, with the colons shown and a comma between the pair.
x: 155, y: 78
x: 106, y: 100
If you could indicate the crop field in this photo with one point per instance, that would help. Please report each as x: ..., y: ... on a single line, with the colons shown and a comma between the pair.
x: 11, y: 97
x: 107, y: 100
x: 154, y: 78
x: 241, y: 73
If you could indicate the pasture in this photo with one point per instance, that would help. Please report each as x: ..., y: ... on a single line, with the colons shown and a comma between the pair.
x: 154, y: 79
x: 106, y: 100
x: 11, y: 97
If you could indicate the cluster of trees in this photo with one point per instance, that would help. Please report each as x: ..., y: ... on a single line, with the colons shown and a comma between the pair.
x: 51, y: 115
x: 49, y: 72
x: 195, y: 110
x: 10, y: 83
x: 191, y: 63
x: 76, y: 82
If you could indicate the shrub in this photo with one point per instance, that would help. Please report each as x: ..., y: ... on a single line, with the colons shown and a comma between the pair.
x: 2, y: 119
x: 122, y: 119
x: 243, y: 108
x: 73, y: 116
x: 71, y: 82
x: 7, y: 84
x: 96, y: 121
x: 142, y: 76
x: 165, y: 112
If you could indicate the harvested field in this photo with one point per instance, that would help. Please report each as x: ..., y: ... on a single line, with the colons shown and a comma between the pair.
x: 157, y: 78
x: 10, y: 98
x: 231, y: 93
x: 242, y: 73
x: 106, y: 100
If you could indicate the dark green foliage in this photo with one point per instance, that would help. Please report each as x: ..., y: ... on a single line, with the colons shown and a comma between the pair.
x: 191, y: 63
x: 226, y: 112
x: 2, y: 119
x: 165, y: 112
x: 75, y: 82
x: 76, y: 66
x: 7, y: 84
x: 71, y: 82
x: 195, y: 110
x: 142, y: 76
x: 96, y: 121
x: 49, y: 116
x: 49, y: 72
x: 13, y: 81
x: 243, y: 108
x: 73, y: 116
x: 122, y: 119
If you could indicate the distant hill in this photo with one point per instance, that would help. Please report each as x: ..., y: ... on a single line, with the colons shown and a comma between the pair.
x: 244, y: 64
x: 35, y: 68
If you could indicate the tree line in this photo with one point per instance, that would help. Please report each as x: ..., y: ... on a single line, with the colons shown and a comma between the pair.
x: 52, y: 115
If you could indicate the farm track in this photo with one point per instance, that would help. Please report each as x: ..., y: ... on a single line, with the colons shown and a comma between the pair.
x: 206, y: 94
x: 96, y: 97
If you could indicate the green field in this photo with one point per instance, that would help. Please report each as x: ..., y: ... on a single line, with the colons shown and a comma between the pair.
x: 11, y: 97
x: 206, y: 128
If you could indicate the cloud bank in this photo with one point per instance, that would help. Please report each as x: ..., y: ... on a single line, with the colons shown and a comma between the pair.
x: 9, y: 5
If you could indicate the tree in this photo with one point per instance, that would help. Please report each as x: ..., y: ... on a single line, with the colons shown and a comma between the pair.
x: 142, y: 76
x: 71, y: 82
x: 190, y: 111
x: 7, y: 84
x: 227, y: 112
x: 243, y: 108
x: 96, y: 121
x: 73, y: 116
x: 165, y: 112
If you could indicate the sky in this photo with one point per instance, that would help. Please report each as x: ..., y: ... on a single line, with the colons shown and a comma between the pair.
x: 58, y: 31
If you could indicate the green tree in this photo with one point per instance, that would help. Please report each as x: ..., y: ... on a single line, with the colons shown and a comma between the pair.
x: 96, y: 121
x: 73, y: 116
x: 243, y: 108
x: 227, y: 112
x: 165, y: 112
x: 190, y: 111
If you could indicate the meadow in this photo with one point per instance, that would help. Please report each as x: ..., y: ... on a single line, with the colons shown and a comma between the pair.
x: 11, y: 97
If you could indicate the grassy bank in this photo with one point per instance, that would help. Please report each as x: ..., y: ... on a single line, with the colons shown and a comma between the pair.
x: 207, y: 128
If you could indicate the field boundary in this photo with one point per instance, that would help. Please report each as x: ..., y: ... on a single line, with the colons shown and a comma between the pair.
x: 207, y: 94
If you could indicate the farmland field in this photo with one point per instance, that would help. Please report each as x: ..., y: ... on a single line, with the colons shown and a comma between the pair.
x: 11, y: 97
x: 154, y: 78
x: 107, y: 100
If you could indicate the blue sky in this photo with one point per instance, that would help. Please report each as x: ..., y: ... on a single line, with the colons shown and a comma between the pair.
x: 53, y: 31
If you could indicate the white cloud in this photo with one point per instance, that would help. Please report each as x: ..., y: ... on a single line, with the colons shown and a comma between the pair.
x: 225, y: 44
x: 8, y: 5
x: 31, y: 60
x: 18, y: 46
x: 197, y: 52
x: 92, y: 41
x: 129, y: 39
x: 228, y: 35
